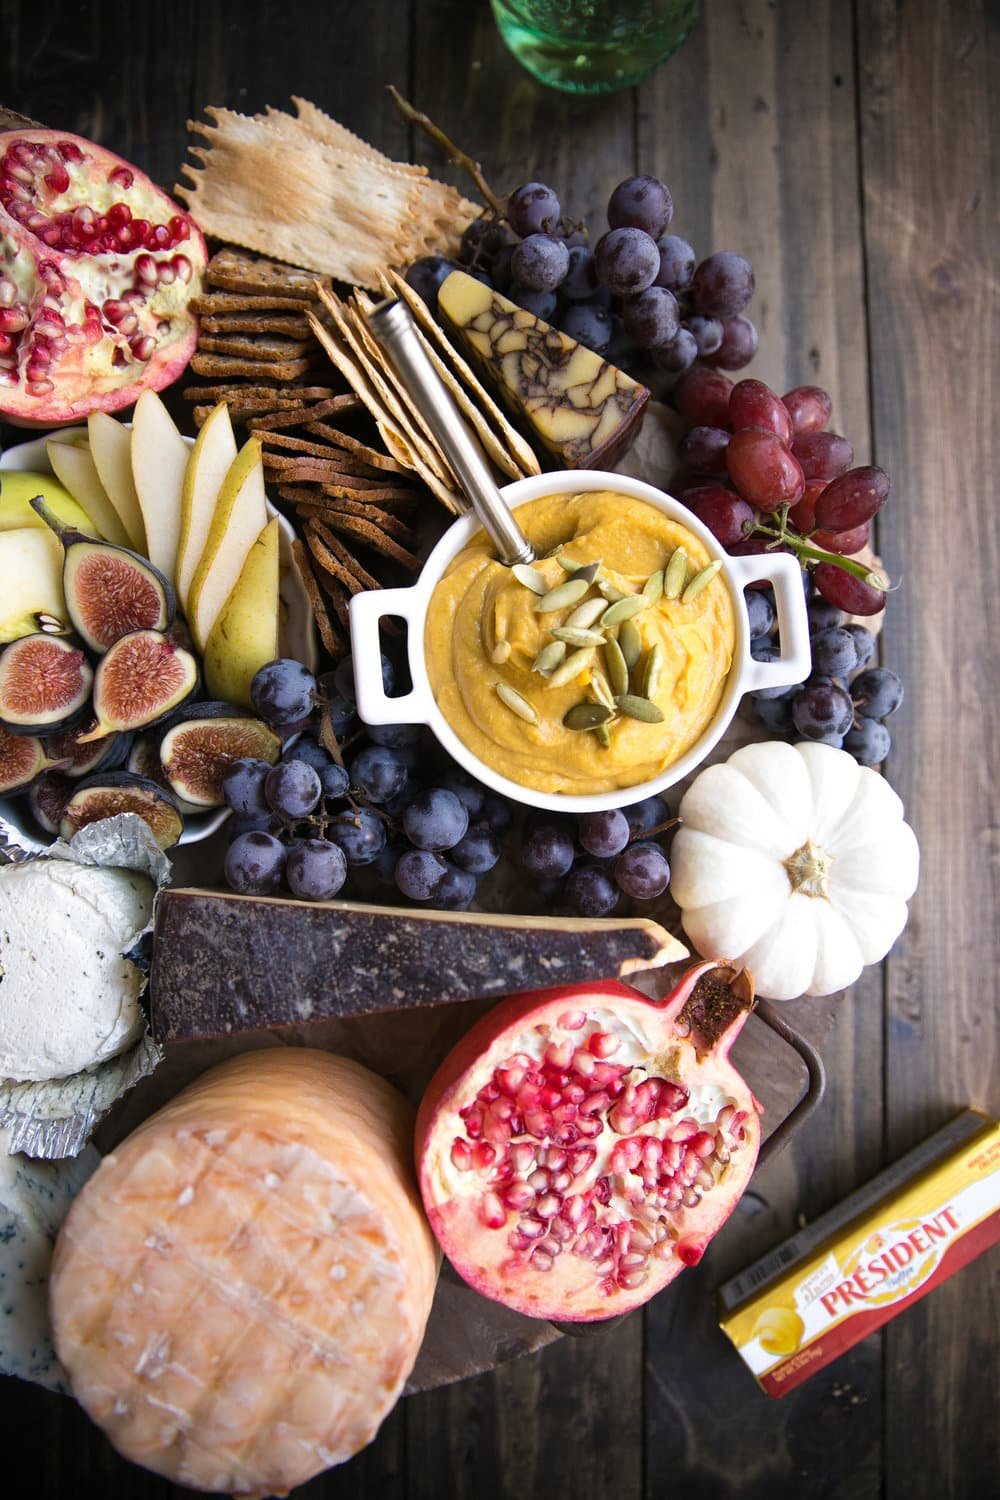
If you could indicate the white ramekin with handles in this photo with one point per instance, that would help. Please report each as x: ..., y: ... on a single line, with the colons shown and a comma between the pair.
x: 411, y: 604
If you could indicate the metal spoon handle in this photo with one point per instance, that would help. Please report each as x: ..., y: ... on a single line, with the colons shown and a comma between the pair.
x: 394, y: 329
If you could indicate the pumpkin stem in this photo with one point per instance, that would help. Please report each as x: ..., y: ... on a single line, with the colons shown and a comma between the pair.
x: 809, y: 870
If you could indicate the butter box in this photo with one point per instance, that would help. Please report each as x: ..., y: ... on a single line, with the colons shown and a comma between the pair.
x: 883, y: 1248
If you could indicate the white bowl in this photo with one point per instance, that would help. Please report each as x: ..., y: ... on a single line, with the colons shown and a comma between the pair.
x: 411, y: 604
x: 298, y: 639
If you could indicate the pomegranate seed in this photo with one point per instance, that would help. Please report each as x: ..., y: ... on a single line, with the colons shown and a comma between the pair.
x: 640, y: 1239
x: 589, y: 1129
x: 582, y: 1160
x: 483, y: 1156
x: 519, y: 1196
x: 626, y: 1156
x: 652, y: 1150
x: 691, y: 1198
x: 622, y: 1120
x: 123, y: 178
x: 565, y: 1114
x: 527, y: 1095
x: 119, y: 214
x: 7, y: 377
x: 127, y: 237
x: 517, y: 1241
x: 596, y: 1104
x: 141, y: 229
x: 703, y: 1144
x: 8, y: 291
x: 705, y: 1179
x: 549, y: 1098
x: 46, y: 328
x: 691, y: 1249
x: 602, y: 1190
x: 548, y: 1205
x: 603, y: 1044
x: 609, y: 1073
x: 583, y: 1063
x: 36, y: 221
x: 179, y: 229
x: 38, y: 367
x: 69, y: 151
x: 158, y: 237
x: 634, y: 1261
x: 559, y: 1054
x: 40, y: 387
x: 630, y: 1281
x: 496, y: 1130
x: 21, y: 173
x: 561, y: 1181
x: 474, y: 1126
x: 571, y: 1020
x: 561, y: 1232
x: 58, y: 179
x: 538, y: 1123
x: 541, y: 1259
x: 574, y: 1211
x: 146, y: 269
x: 539, y: 1180
x: 556, y: 1159
x: 52, y: 236
x: 52, y: 277
x: 685, y: 1130
x: 7, y: 345
x: 182, y: 266
x: 461, y: 1156
x: 509, y: 1080
x: 531, y: 1228
x: 143, y: 348
x: 114, y: 311
x: 522, y: 1157
x: 492, y: 1211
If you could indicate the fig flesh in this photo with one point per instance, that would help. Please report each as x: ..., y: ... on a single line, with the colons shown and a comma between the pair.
x: 196, y: 751
x: 140, y: 679
x: 22, y: 758
x: 47, y: 797
x: 75, y: 759
x: 44, y: 682
x: 107, y: 795
x: 144, y: 760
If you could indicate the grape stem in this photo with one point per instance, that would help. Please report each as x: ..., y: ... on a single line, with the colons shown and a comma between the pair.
x: 804, y: 551
x: 454, y: 154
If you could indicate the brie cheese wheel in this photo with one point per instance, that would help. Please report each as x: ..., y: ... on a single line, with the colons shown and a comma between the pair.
x: 69, y: 998
x: 34, y: 1199
x: 240, y: 1291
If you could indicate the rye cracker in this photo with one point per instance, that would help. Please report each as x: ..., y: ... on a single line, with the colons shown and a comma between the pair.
x: 521, y: 450
x: 283, y: 325
x: 221, y: 365
x: 246, y: 346
x: 233, y: 270
x: 330, y: 635
x: 324, y: 406
x: 377, y: 540
x: 221, y: 304
x: 331, y: 496
x: 299, y: 394
x: 353, y: 445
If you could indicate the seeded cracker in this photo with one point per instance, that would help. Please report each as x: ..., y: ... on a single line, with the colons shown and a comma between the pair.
x: 236, y: 271
x: 245, y: 346
x: 293, y: 326
x: 220, y: 365
x: 330, y: 635
x: 271, y: 183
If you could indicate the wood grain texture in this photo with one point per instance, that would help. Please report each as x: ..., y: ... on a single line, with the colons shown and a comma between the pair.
x: 928, y: 150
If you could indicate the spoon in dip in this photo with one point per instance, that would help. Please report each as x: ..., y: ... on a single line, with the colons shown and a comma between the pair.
x: 394, y: 330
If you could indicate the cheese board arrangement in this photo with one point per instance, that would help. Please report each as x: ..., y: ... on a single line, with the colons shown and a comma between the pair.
x: 383, y: 721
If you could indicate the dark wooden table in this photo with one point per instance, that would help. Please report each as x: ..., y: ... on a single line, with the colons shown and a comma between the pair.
x: 848, y: 152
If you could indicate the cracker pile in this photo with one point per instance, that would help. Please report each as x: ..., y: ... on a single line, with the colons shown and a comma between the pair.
x: 342, y: 329
x: 304, y: 189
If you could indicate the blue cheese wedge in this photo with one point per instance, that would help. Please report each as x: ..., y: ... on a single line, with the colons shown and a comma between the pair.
x: 35, y: 1197
x: 69, y: 998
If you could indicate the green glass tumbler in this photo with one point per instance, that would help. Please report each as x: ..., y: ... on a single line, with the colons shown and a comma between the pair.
x: 593, y: 46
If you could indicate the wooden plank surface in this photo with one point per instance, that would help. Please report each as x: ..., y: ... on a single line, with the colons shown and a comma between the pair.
x: 852, y: 167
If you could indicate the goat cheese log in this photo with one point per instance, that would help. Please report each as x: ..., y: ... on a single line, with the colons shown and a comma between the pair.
x: 241, y: 1289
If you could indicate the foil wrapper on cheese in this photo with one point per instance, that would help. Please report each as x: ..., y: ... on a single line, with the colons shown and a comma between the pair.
x: 240, y: 1292
x: 73, y: 1036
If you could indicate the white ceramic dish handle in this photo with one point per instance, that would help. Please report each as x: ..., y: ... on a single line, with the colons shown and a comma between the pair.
x: 784, y: 574
x: 367, y: 612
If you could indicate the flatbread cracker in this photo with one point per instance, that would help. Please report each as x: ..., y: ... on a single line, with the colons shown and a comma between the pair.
x: 299, y: 394
x: 330, y: 635
x: 325, y: 406
x: 233, y: 270
x: 358, y: 449
x: 246, y: 346
x: 329, y: 497
x: 289, y: 326
x: 218, y: 304
x: 520, y: 449
x: 230, y: 364
x: 373, y: 537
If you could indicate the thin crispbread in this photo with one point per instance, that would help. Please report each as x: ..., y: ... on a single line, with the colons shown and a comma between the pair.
x: 285, y: 325
x: 220, y: 365
x: 235, y: 270
x: 246, y: 346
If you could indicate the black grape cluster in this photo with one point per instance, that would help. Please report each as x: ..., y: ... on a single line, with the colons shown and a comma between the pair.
x: 638, y: 295
x: 391, y: 818
x: 845, y: 700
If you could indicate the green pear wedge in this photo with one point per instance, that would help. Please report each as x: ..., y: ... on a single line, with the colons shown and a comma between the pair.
x: 245, y: 636
x: 211, y: 459
x: 159, y: 461
x: 111, y: 450
x: 76, y: 471
x: 238, y: 520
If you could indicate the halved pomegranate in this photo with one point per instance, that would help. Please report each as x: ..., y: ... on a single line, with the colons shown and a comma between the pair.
x: 580, y: 1146
x: 97, y: 268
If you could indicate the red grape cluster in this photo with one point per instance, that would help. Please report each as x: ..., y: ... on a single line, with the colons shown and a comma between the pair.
x: 639, y: 294
x: 765, y: 473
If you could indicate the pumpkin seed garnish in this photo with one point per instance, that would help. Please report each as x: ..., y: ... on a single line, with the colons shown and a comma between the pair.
x: 549, y: 657
x: 614, y: 660
x: 587, y: 716
x: 674, y: 574
x: 563, y: 595
x: 602, y: 688
x: 603, y: 734
x: 566, y: 563
x: 575, y: 663
x: 574, y: 636
x: 609, y: 592
x: 530, y: 578
x: 630, y: 641
x: 501, y: 652
x: 516, y: 703
x: 586, y: 613
x: 652, y: 671
x: 653, y: 587
x: 700, y: 581
x: 639, y: 708
x: 624, y: 609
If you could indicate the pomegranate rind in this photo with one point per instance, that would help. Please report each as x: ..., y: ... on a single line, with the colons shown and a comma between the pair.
x: 571, y: 1290
x: 108, y: 360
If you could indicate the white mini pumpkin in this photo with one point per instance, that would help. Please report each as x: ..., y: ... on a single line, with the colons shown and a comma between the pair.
x: 795, y: 861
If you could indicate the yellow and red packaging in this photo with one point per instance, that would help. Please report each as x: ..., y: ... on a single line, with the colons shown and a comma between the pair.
x: 883, y: 1248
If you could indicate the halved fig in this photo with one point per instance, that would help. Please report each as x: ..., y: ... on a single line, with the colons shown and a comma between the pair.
x: 47, y: 798
x: 44, y: 682
x: 140, y: 679
x: 106, y: 796
x: 144, y: 760
x: 111, y: 592
x: 196, y: 751
x: 75, y: 759
x: 22, y: 758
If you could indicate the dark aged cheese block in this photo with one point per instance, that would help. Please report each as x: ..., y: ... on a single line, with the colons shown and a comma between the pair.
x: 224, y: 963
x: 583, y: 410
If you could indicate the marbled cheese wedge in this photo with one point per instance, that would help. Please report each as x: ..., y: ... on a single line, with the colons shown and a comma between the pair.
x: 241, y: 1290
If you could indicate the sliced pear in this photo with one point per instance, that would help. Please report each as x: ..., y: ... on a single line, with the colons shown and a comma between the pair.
x: 159, y: 459
x: 76, y: 470
x: 18, y: 487
x: 213, y: 456
x: 238, y: 520
x: 30, y: 580
x: 111, y: 450
x: 245, y: 636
